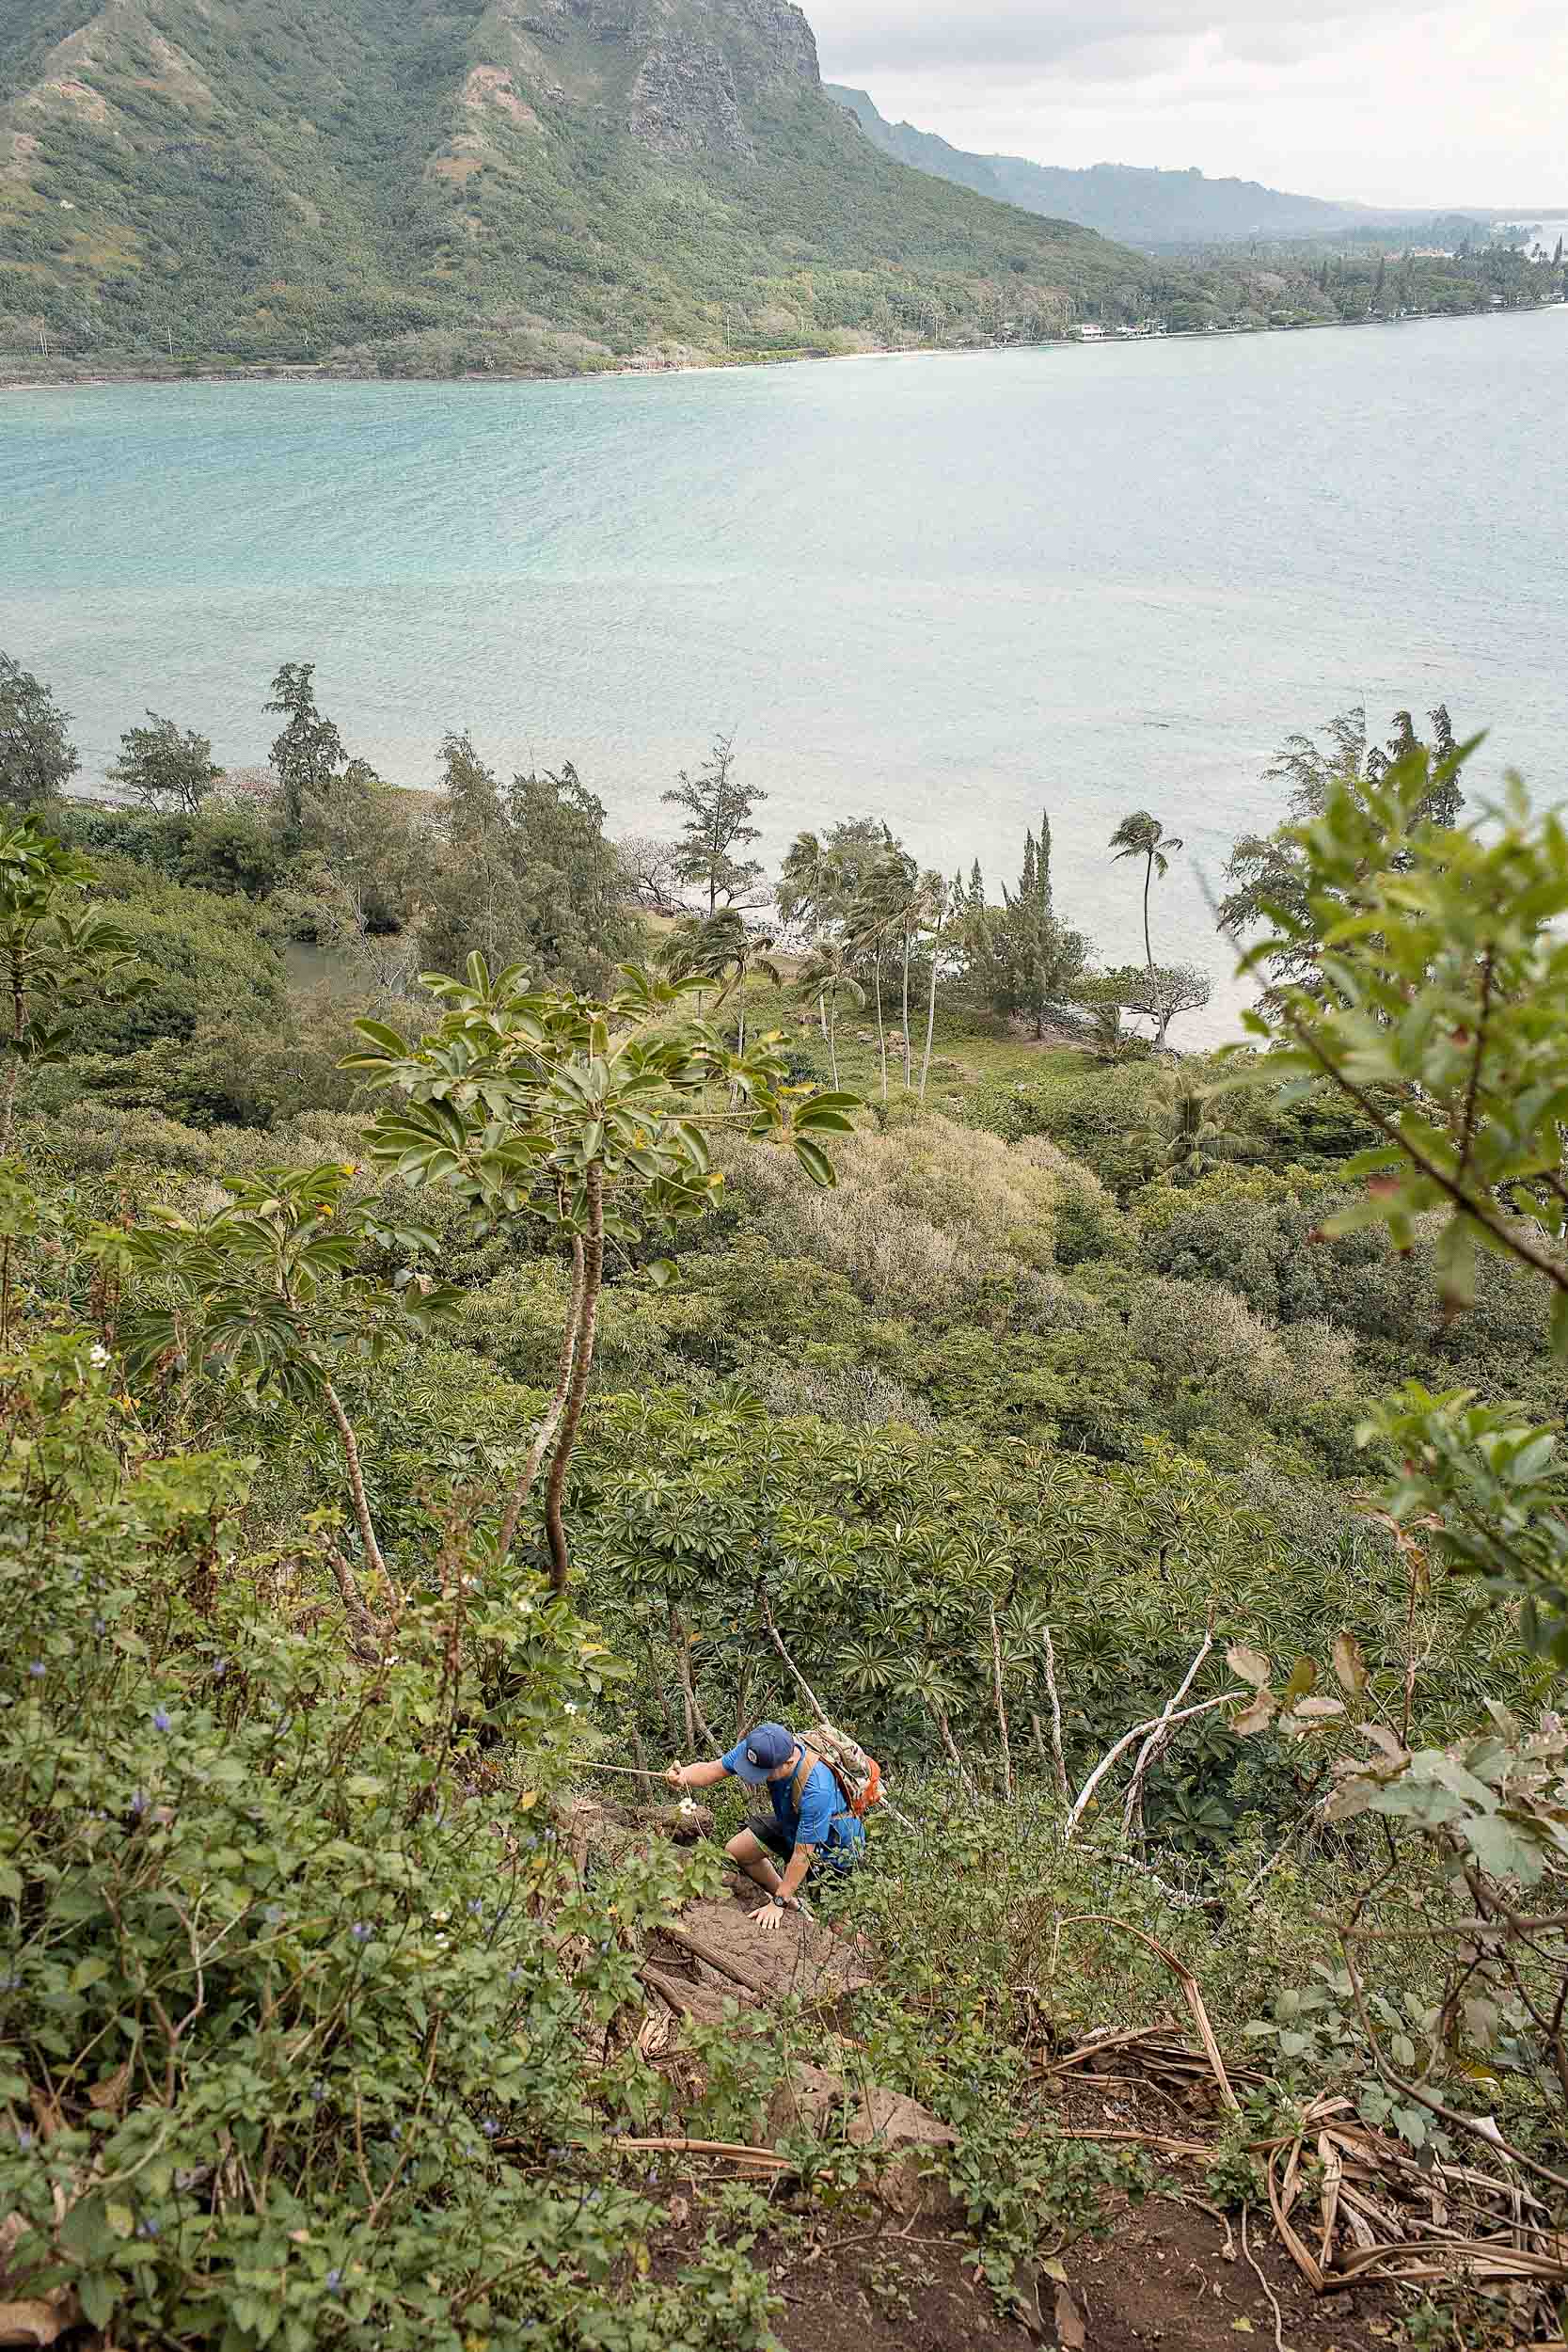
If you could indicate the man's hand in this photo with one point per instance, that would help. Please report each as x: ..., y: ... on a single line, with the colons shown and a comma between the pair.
x: 770, y: 1920
x: 676, y: 1776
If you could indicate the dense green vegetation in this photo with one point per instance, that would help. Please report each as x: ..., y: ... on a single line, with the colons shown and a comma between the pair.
x: 376, y: 187
x: 399, y: 1418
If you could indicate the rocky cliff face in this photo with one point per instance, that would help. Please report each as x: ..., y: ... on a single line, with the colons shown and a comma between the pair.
x: 682, y: 73
x: 684, y: 101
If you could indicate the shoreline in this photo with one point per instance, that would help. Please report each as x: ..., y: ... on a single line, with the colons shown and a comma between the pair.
x: 306, y: 373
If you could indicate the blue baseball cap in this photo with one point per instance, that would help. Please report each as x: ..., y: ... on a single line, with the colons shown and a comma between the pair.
x: 760, y: 1753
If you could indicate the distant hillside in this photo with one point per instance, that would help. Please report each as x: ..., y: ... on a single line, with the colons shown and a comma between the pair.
x: 1151, y: 209
x: 446, y: 184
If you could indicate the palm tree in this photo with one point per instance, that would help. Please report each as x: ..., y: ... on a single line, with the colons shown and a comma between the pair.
x: 1188, y: 1140
x: 1108, y: 1040
x: 935, y: 904
x: 863, y: 938
x: 824, y: 974
x: 1143, y: 836
x: 811, y: 885
x: 722, y: 948
x: 882, y: 906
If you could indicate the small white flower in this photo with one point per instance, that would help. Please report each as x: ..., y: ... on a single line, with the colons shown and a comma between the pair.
x: 99, y: 1356
x: 571, y: 1707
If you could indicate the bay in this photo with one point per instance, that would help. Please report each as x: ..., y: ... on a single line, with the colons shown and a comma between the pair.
x: 945, y: 590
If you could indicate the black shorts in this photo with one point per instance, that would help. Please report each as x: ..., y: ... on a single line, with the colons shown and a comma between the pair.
x: 829, y: 1861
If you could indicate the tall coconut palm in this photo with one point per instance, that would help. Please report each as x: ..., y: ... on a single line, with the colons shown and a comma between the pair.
x: 725, y: 949
x: 824, y: 978
x: 1143, y: 836
x: 880, y: 914
x: 811, y: 885
x: 936, y: 906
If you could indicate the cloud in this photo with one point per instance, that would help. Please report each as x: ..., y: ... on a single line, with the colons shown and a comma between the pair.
x: 904, y: 35
x: 1395, y: 101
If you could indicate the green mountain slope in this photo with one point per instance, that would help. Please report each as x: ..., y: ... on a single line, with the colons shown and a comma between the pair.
x: 531, y: 181
x: 1145, y: 207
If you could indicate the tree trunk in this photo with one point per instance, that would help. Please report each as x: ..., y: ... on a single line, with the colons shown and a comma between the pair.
x: 587, y: 1317
x: 882, y: 1032
x: 356, y: 1478
x: 832, y: 1039
x: 907, y: 1063
x: 8, y: 1122
x: 930, y: 1018
x: 553, y: 1411
x: 694, y: 1715
x: 945, y: 1730
x: 1058, y: 1760
x: 1000, y: 1709
x: 13, y: 1074
x: 1148, y: 943
x: 364, y: 1633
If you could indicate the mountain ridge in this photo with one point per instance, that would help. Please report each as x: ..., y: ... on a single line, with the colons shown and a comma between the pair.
x: 1140, y: 205
x: 536, y: 181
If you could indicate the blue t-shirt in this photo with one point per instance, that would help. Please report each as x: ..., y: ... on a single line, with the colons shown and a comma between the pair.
x: 822, y: 1820
x: 821, y: 1803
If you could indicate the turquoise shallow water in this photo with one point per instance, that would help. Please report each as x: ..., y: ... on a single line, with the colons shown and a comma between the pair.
x: 945, y: 590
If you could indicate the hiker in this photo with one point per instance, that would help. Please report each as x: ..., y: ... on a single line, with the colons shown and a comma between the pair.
x: 810, y: 1829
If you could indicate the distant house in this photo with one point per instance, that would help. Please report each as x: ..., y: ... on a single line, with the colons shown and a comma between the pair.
x: 1090, y: 335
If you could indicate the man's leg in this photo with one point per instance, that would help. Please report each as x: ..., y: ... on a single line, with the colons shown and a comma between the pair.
x: 752, y: 1850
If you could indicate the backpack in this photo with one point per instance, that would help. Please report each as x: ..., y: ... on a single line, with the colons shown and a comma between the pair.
x: 859, y: 1776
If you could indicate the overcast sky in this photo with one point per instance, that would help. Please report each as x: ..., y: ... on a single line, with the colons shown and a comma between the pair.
x: 1391, y: 101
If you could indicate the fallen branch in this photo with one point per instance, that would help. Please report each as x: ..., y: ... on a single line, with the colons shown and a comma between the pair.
x: 1190, y: 1988
x: 1227, y: 1698
x: 1158, y: 1740
x: 818, y: 1712
x: 700, y: 1949
x: 1176, y: 1896
x: 759, y: 2164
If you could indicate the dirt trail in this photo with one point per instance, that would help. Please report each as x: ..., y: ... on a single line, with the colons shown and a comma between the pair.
x: 894, y: 2270
x: 1166, y: 2276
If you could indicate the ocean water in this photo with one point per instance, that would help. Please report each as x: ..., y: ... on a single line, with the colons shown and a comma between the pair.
x: 949, y: 591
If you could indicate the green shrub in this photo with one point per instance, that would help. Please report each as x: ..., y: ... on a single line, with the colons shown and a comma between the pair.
x: 299, y: 1994
x: 233, y: 850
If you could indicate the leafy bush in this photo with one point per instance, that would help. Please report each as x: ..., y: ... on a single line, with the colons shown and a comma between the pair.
x: 299, y: 1994
x: 230, y: 849
x: 924, y: 1219
x: 198, y: 951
